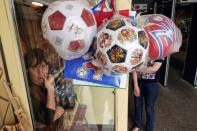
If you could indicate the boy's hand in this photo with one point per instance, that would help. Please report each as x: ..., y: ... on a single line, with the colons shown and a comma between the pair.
x: 136, y: 91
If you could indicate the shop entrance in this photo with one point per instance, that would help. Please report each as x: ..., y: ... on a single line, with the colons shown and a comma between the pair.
x: 180, y: 65
x: 182, y: 18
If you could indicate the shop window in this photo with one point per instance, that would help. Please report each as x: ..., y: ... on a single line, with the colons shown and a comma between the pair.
x: 74, y: 108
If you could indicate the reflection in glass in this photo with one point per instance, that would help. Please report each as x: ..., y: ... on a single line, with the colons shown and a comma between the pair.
x: 57, y: 103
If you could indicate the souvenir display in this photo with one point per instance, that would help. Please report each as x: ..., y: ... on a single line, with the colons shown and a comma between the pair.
x: 121, y: 46
x: 69, y: 26
x: 86, y: 69
x: 164, y: 37
x: 64, y: 90
x: 105, y: 9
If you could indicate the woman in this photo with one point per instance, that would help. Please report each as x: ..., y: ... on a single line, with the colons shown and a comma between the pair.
x: 46, y: 112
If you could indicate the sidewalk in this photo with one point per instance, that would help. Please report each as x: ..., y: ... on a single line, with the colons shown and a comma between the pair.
x: 176, y: 108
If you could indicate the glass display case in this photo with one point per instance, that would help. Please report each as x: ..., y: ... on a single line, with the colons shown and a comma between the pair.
x: 30, y: 59
x: 84, y: 107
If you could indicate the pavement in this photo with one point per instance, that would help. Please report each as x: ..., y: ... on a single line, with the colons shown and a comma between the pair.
x: 176, y: 108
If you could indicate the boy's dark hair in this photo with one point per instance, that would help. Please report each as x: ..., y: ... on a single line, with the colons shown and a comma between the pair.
x: 35, y: 57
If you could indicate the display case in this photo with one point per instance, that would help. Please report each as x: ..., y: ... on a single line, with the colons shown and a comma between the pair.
x: 84, y: 107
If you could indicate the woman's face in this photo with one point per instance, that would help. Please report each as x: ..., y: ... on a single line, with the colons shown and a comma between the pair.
x: 39, y: 73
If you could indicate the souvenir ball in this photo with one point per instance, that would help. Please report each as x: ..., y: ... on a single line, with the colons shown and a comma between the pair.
x: 121, y: 45
x: 164, y: 37
x: 69, y: 26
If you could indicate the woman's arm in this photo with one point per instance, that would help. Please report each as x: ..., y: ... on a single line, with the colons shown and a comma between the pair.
x: 51, y: 102
x: 50, y: 84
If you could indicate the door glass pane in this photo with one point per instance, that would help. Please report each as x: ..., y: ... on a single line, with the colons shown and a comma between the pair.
x: 182, y: 18
x: 60, y: 105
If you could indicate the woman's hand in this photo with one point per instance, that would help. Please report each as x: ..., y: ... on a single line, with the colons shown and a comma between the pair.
x: 58, y: 113
x: 50, y: 86
x: 50, y: 83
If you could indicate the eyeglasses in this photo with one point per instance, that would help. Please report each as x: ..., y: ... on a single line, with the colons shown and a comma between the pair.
x: 41, y: 67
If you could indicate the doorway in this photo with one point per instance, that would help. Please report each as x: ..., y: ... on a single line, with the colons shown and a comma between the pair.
x: 182, y: 18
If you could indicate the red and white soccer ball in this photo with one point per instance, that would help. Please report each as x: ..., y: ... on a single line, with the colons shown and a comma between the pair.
x: 70, y: 27
x: 164, y: 37
x: 121, y: 46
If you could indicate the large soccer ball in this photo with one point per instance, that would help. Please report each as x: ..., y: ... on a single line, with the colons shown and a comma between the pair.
x: 121, y: 46
x: 164, y: 37
x: 70, y: 27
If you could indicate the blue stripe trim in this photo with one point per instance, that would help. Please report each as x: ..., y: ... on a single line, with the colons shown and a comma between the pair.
x: 158, y: 41
x: 98, y: 4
